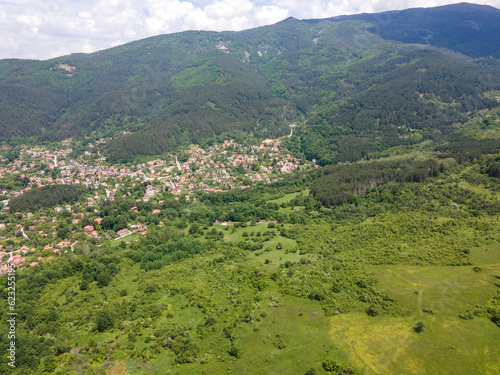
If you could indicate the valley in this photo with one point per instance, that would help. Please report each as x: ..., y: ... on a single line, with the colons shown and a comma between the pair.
x: 309, y: 197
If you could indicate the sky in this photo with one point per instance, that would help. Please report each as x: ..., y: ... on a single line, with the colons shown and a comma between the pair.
x: 44, y: 29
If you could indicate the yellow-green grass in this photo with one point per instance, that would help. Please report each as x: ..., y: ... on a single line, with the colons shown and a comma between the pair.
x: 436, y: 296
x: 306, y: 336
x: 389, y: 345
x: 287, y: 244
x: 127, y: 280
x: 288, y: 197
x: 445, y: 290
x: 276, y: 257
x: 238, y: 234
x: 479, y: 189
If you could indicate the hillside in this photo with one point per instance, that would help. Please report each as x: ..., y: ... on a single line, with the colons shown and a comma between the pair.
x: 466, y: 28
x: 382, y: 266
x: 343, y: 80
x: 158, y: 214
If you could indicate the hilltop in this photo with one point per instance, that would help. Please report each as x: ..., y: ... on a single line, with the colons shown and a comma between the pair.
x: 346, y: 79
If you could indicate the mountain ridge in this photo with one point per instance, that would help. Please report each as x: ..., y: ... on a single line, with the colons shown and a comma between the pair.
x: 161, y: 88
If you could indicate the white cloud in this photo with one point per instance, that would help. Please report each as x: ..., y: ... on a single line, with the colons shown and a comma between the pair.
x: 44, y: 28
x: 166, y: 16
x: 228, y: 9
x: 61, y: 51
x: 267, y: 15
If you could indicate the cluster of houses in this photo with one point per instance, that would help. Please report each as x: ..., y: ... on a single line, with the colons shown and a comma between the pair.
x: 217, y: 168
x: 231, y: 165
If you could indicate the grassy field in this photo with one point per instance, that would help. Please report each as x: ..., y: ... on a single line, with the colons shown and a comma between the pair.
x: 389, y: 345
x: 436, y: 296
x: 294, y: 321
x: 288, y: 197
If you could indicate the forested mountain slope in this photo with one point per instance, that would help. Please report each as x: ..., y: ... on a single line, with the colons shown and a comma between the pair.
x: 467, y: 28
x: 345, y: 80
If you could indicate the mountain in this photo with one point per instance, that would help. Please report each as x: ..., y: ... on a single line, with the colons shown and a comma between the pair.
x: 382, y: 256
x: 353, y: 84
x: 466, y: 28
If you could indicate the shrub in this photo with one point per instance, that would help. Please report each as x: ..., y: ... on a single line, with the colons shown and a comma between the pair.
x: 332, y: 366
x: 279, y: 342
x: 373, y: 310
x: 235, y: 351
x: 315, y: 295
x: 419, y: 327
x: 104, y: 320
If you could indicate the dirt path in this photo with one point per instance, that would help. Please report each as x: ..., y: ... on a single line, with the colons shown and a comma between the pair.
x: 420, y: 294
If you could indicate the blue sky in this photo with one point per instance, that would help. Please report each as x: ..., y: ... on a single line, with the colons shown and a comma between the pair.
x: 43, y: 29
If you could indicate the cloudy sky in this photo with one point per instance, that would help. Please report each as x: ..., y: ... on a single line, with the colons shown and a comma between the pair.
x: 42, y: 29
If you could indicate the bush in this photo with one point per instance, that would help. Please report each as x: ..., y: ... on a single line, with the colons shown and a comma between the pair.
x: 104, y: 320
x: 315, y: 295
x: 235, y: 352
x: 373, y: 310
x: 279, y: 342
x: 419, y: 327
x: 332, y: 366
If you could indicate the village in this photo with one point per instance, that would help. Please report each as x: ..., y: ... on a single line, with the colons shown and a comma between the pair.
x: 28, y: 238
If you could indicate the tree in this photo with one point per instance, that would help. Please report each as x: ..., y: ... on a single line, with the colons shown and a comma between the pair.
x: 84, y: 284
x: 62, y: 232
x: 108, y: 222
x: 104, y: 320
x: 194, y: 229
x: 373, y: 310
x: 103, y: 279
x: 419, y: 327
x: 235, y: 351
x: 332, y: 366
x: 279, y: 342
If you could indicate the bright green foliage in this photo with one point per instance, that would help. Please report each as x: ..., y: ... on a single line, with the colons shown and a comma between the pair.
x: 171, y: 252
x: 490, y: 310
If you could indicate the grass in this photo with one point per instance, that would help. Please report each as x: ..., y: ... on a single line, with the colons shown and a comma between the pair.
x: 389, y: 345
x: 303, y: 333
x: 288, y: 197
x: 446, y: 290
x: 273, y: 257
x: 448, y: 345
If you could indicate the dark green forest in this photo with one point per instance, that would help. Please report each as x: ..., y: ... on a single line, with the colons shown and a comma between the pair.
x: 47, y: 196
